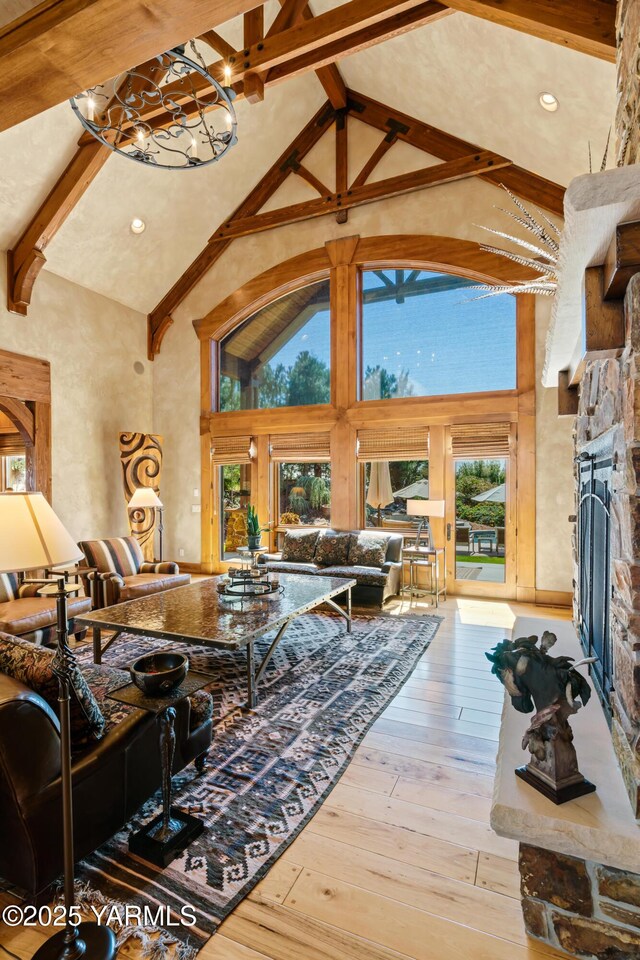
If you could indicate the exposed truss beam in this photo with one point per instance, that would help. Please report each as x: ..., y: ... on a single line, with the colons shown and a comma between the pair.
x: 160, y: 319
x: 396, y: 126
x: 304, y: 47
x: 527, y: 185
x: 46, y: 55
x: 253, y: 34
x: 330, y: 76
x: 367, y: 20
x: 439, y: 173
x: 585, y: 25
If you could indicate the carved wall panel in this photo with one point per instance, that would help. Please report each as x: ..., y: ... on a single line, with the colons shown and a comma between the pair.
x: 141, y: 459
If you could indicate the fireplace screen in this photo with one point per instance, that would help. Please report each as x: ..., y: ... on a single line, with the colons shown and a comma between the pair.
x: 594, y: 567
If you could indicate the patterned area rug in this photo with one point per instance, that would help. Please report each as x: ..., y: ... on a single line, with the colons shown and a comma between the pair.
x: 269, y: 769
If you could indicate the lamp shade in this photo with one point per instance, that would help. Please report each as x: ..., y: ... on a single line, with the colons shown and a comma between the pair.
x: 425, y: 508
x: 31, y: 535
x: 144, y: 497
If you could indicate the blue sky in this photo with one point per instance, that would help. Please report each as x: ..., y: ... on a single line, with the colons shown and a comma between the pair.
x: 448, y: 344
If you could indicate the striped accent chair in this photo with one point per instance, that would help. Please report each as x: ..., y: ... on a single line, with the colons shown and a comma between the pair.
x: 115, y: 570
x: 26, y: 615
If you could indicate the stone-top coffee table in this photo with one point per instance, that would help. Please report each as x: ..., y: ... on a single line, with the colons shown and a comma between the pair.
x: 196, y: 615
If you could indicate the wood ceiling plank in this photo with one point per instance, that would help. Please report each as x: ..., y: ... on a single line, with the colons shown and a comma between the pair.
x: 471, y: 166
x: 44, y: 56
x: 159, y: 319
x: 527, y: 185
x: 588, y: 26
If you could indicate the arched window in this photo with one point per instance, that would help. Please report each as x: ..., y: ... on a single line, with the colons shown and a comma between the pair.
x: 427, y: 334
x: 279, y: 356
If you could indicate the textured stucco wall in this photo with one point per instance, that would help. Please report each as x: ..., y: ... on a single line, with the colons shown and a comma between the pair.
x: 92, y: 344
x: 554, y: 475
x: 451, y: 210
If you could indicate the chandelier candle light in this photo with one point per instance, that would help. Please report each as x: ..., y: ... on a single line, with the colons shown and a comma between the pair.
x: 170, y: 112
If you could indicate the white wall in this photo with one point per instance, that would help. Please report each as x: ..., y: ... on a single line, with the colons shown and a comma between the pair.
x: 92, y: 344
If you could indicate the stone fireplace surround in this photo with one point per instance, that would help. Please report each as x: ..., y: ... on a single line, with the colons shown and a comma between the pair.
x: 609, y: 405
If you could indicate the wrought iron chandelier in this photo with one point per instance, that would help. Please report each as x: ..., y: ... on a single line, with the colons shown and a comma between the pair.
x: 169, y: 113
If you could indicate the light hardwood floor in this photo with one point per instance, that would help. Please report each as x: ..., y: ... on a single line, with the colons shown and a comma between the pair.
x: 400, y: 861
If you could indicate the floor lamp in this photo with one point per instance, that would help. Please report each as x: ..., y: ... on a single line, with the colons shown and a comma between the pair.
x: 32, y: 537
x: 425, y: 509
x: 146, y: 498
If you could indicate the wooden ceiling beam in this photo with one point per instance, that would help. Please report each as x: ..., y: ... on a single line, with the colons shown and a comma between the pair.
x: 439, y: 173
x: 330, y: 76
x: 159, y: 320
x: 290, y: 12
x: 45, y: 55
x: 253, y: 34
x: 355, y: 16
x: 588, y: 26
x: 319, y: 57
x: 342, y: 159
x: 218, y: 43
x: 527, y: 185
x: 27, y: 258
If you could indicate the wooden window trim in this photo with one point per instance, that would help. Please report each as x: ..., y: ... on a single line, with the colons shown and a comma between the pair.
x: 346, y: 414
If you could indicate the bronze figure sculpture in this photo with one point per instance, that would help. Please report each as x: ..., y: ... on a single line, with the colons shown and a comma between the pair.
x: 554, y: 688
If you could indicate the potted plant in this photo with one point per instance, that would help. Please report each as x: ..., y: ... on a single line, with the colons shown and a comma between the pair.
x: 254, y: 529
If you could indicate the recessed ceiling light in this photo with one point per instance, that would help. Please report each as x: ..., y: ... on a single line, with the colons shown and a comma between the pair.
x: 138, y: 225
x: 548, y: 102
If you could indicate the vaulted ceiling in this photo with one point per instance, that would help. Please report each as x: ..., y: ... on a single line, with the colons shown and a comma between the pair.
x: 476, y: 80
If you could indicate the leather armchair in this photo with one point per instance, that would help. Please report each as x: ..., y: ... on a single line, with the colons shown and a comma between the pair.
x: 25, y: 614
x: 115, y: 570
x: 111, y: 779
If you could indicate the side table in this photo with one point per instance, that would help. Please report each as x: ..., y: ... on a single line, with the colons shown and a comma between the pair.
x: 429, y: 557
x: 165, y: 837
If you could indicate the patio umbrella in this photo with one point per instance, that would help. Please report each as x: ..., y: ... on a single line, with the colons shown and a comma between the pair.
x: 379, y: 493
x: 495, y: 495
x: 414, y: 491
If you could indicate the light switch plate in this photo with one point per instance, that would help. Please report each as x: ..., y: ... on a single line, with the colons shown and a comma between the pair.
x: 195, y: 508
x: 196, y: 492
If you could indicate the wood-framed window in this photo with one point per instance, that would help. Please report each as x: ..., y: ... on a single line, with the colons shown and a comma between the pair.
x: 287, y: 434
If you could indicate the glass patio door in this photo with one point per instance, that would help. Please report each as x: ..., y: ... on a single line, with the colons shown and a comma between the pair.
x: 480, y: 528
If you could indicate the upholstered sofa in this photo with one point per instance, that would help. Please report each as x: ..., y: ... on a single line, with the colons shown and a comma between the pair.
x: 116, y: 760
x: 372, y: 558
x: 115, y: 570
x: 24, y: 614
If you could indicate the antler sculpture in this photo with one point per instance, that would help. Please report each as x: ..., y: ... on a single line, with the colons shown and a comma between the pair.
x: 554, y: 688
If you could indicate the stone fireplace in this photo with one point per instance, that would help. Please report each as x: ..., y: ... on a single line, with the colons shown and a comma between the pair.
x: 609, y: 418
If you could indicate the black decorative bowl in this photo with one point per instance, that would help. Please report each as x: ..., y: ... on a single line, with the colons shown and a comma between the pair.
x: 158, y: 673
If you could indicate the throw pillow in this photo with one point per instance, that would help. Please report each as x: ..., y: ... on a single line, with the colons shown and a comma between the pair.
x: 332, y: 549
x: 31, y: 665
x: 299, y: 546
x: 367, y: 550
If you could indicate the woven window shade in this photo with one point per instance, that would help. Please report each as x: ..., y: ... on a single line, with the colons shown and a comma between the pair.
x: 471, y: 441
x: 231, y: 450
x: 11, y: 445
x: 403, y: 443
x: 300, y: 447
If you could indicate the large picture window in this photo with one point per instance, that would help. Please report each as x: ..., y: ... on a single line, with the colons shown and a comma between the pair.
x: 13, y: 473
x: 280, y: 356
x: 304, y: 493
x: 426, y: 334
